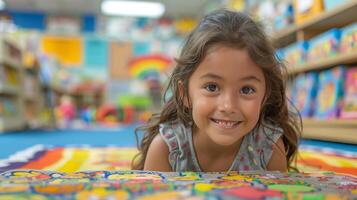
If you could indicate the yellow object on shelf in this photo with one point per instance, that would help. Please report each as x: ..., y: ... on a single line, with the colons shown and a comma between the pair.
x: 236, y: 4
x: 306, y: 9
x: 185, y: 25
x: 67, y: 49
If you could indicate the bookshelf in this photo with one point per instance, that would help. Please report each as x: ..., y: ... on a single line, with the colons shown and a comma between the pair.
x: 32, y: 96
x: 11, y: 90
x: 336, y: 130
x: 338, y: 17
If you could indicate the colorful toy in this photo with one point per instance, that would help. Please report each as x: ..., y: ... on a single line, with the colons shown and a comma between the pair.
x: 131, y: 106
x: 88, y: 114
x: 137, y: 101
x: 129, y: 115
x: 349, y: 109
x: 145, y: 116
x: 66, y: 111
x: 329, y: 94
x: 305, y: 93
x: 324, y: 45
x: 107, y: 114
x: 349, y: 39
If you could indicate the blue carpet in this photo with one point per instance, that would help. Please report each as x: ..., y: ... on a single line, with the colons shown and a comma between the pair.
x: 16, y: 141
x: 333, y: 145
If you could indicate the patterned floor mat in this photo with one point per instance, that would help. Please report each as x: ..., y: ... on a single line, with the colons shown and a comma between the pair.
x: 316, y: 159
x: 72, y: 159
x: 33, y: 184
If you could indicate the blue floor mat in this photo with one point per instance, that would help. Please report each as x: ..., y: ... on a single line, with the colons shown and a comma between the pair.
x: 16, y: 141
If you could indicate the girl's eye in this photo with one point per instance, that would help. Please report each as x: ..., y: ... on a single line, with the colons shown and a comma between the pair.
x: 247, y: 90
x: 211, y: 88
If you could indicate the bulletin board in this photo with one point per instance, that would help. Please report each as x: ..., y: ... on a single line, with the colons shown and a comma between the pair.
x: 119, y: 57
x: 67, y: 49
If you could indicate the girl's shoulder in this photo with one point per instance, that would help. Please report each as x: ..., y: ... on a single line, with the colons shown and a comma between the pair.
x: 175, y: 133
x: 178, y: 138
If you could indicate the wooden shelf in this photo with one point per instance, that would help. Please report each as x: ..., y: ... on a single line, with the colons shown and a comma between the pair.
x: 60, y: 90
x: 30, y: 99
x: 340, y: 16
x: 348, y: 58
x: 10, y: 90
x: 11, y: 124
x: 331, y: 130
x: 11, y: 63
x: 10, y: 57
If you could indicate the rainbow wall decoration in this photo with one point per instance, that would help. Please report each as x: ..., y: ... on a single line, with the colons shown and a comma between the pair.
x: 149, y: 66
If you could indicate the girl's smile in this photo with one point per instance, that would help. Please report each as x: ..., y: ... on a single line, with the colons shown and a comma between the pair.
x: 226, y: 124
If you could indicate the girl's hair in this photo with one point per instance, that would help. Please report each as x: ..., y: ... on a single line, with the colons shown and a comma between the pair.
x: 234, y: 30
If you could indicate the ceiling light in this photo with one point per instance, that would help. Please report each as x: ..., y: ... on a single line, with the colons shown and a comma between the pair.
x: 133, y: 8
x: 2, y: 5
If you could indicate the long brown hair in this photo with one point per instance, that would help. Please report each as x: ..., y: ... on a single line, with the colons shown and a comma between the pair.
x: 235, y: 30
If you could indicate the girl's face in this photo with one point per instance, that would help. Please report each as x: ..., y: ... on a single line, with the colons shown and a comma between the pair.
x: 226, y: 93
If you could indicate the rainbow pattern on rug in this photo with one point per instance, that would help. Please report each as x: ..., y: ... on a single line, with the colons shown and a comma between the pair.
x: 143, y: 67
x: 33, y: 184
x: 317, y: 159
x: 72, y: 159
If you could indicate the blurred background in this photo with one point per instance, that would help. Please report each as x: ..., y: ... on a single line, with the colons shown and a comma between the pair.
x: 78, y: 76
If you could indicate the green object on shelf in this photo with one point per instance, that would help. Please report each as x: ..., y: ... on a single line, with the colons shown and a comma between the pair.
x: 135, y: 101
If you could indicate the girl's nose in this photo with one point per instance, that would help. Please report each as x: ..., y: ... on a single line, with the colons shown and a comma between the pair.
x: 229, y: 103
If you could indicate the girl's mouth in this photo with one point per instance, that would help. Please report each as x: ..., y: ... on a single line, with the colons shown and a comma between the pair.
x: 226, y: 124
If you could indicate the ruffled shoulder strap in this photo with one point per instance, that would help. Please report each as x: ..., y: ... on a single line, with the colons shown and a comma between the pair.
x: 256, y: 148
x: 176, y: 136
x: 264, y: 138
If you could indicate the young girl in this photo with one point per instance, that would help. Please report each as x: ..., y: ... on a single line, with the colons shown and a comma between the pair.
x: 228, y: 110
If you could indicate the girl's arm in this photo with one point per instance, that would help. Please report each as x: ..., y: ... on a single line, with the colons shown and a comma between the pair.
x: 278, y: 159
x: 157, y: 156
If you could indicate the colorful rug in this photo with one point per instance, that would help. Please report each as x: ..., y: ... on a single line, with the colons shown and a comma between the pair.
x: 32, y: 184
x: 72, y: 159
x: 318, y: 159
